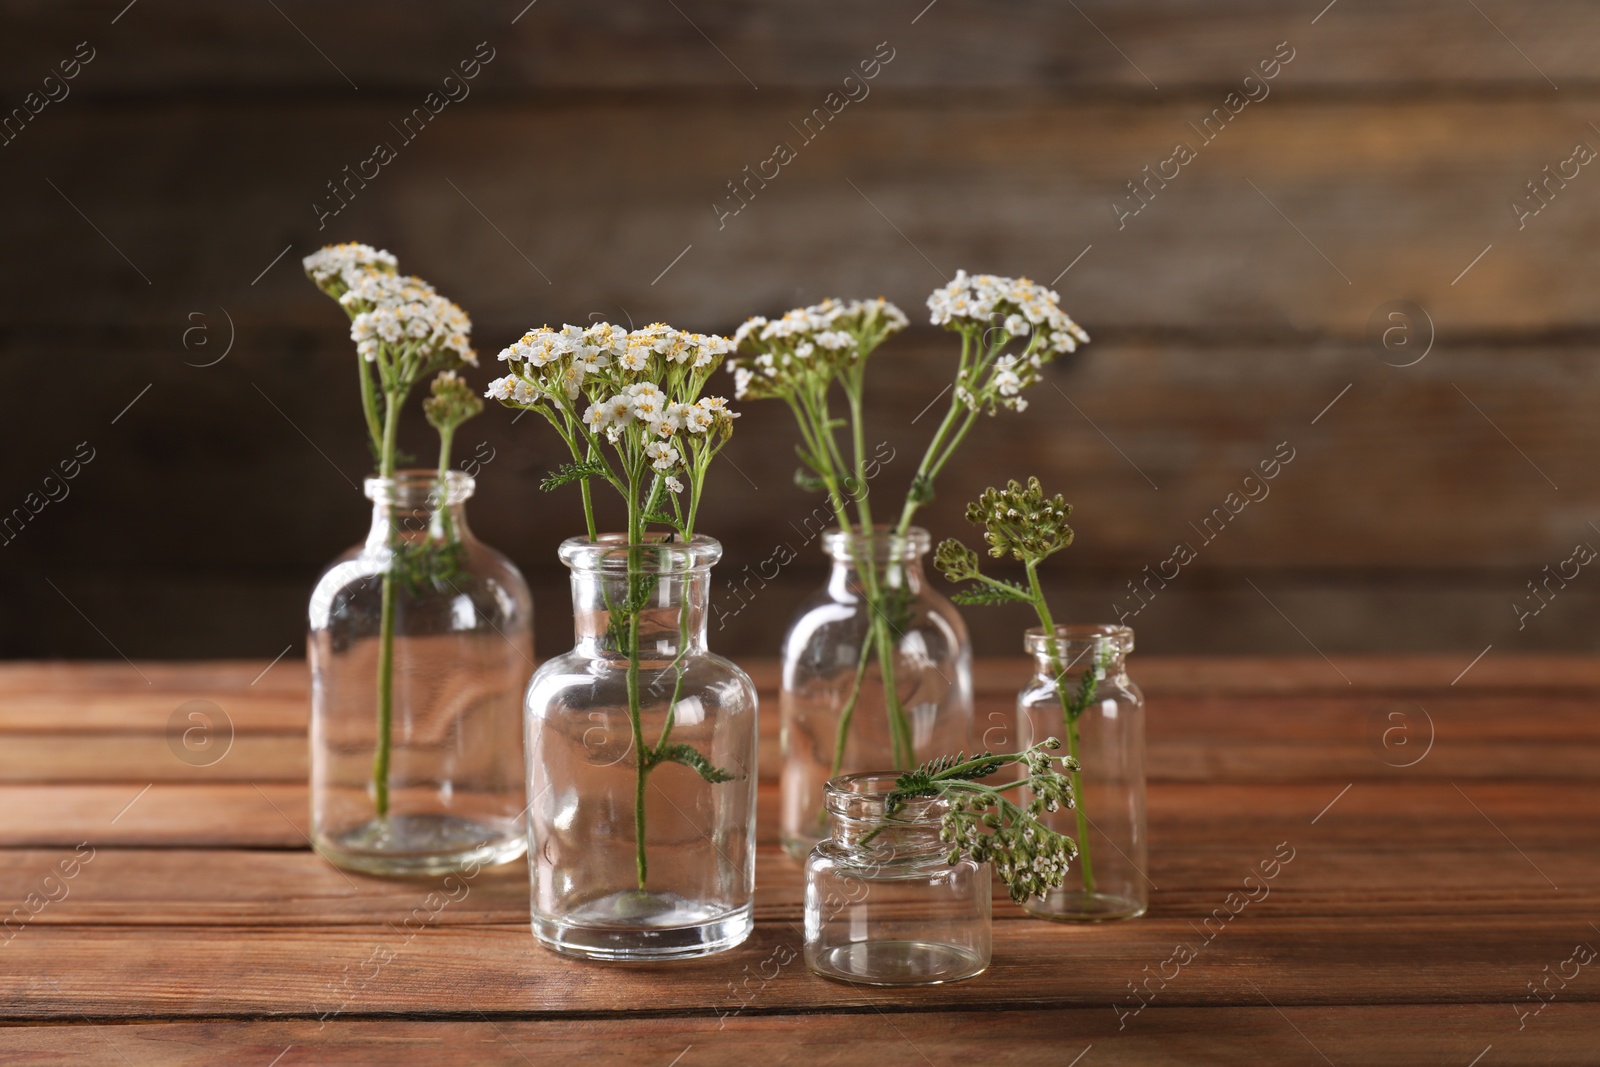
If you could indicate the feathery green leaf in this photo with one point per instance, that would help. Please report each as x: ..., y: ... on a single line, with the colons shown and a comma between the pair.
x: 1001, y: 593
x: 568, y: 473
x: 692, y: 758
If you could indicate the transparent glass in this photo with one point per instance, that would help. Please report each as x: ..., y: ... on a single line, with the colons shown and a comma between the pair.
x: 883, y: 904
x: 876, y: 621
x: 1107, y: 881
x: 420, y: 642
x: 630, y: 858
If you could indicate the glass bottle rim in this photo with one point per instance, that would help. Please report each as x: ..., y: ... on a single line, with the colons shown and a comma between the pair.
x: 864, y: 797
x: 880, y: 543
x: 418, y: 487
x: 1077, y: 639
x: 662, y: 553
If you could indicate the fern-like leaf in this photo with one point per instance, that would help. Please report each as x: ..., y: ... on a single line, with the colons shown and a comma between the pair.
x: 1087, y: 685
x: 924, y: 781
x: 1000, y: 593
x: 568, y: 473
x: 808, y: 481
x: 661, y: 518
x: 692, y: 758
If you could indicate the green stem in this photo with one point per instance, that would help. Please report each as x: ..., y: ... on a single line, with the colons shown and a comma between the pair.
x: 858, y: 439
x: 380, y: 759
x: 441, y: 508
x: 899, y: 728
x: 1069, y: 720
x: 850, y: 704
x: 879, y: 631
x: 635, y: 715
x: 812, y: 431
x: 369, y: 405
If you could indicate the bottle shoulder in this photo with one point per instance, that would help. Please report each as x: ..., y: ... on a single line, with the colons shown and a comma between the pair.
x: 431, y: 577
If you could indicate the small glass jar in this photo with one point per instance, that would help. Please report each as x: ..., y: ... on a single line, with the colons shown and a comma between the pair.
x: 420, y: 643
x: 877, y: 674
x: 630, y: 858
x: 884, y: 906
x: 1106, y: 734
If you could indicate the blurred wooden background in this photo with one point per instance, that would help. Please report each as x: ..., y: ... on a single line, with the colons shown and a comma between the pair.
x: 141, y: 214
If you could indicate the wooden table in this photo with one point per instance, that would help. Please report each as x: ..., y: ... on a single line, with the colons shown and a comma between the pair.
x: 1446, y: 854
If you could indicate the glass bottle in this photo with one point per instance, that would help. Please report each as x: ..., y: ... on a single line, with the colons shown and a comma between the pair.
x: 1081, y: 693
x: 420, y: 642
x: 630, y: 858
x: 877, y: 619
x: 884, y: 906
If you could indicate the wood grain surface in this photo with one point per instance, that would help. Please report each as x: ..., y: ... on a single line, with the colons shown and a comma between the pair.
x: 1446, y: 851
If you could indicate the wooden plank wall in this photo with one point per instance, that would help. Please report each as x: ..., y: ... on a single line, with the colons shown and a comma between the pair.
x: 580, y: 176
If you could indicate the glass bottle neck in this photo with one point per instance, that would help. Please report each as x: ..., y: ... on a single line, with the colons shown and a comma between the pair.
x: 876, y: 561
x: 861, y: 822
x: 670, y: 618
x: 1063, y: 658
x: 417, y: 506
x: 884, y: 839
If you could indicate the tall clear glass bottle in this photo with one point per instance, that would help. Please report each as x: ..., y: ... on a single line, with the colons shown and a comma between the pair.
x: 884, y: 906
x: 641, y: 764
x: 420, y: 642
x: 877, y: 675
x: 1080, y: 692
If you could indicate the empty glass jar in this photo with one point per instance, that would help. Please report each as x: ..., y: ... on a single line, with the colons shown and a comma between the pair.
x: 883, y: 904
x: 420, y: 643
x: 877, y: 675
x: 1081, y: 693
x: 641, y: 764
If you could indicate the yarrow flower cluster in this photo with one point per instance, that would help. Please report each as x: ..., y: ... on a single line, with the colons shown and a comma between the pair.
x: 641, y: 387
x: 1022, y: 308
x: 403, y: 330
x: 1017, y: 521
x: 978, y: 820
x: 809, y: 344
x: 334, y: 267
x: 409, y: 316
x: 1021, y: 522
x: 992, y: 311
x: 452, y: 402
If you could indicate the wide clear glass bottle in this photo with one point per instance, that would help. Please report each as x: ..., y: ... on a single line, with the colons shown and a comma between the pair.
x: 884, y: 906
x: 877, y: 675
x: 1080, y: 692
x: 641, y: 858
x: 420, y: 644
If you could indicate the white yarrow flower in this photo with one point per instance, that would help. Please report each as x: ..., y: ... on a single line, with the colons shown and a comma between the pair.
x: 663, y: 456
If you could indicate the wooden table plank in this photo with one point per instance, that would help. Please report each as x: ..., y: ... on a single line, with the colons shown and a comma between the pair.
x: 285, y: 888
x: 1212, y: 738
x: 1375, y: 814
x: 1406, y: 1035
x: 1379, y: 1036
x: 110, y: 972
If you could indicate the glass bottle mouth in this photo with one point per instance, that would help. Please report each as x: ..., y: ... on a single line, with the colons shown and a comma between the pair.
x: 864, y: 798
x: 881, y: 545
x: 419, y: 488
x: 1080, y: 645
x: 661, y: 553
